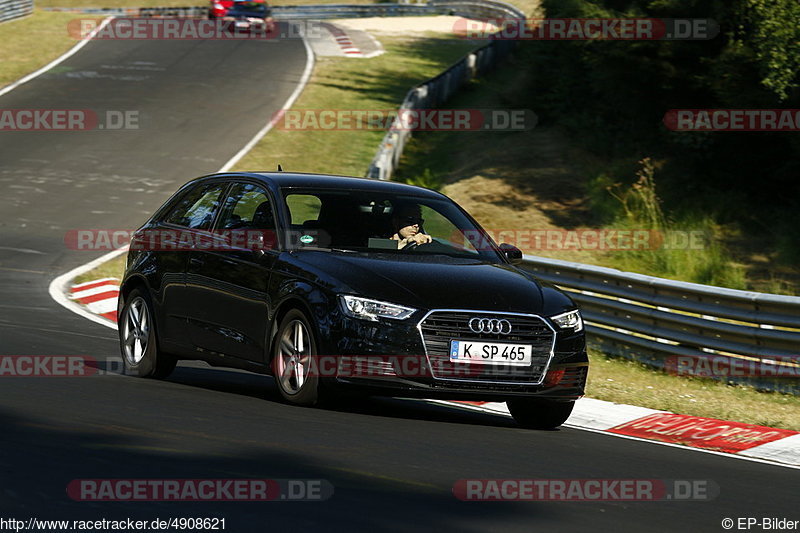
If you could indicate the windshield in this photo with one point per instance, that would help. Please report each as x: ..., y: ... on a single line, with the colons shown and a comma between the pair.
x: 249, y: 7
x: 377, y: 222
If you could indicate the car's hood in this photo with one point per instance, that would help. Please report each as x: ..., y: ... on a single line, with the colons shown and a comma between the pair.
x: 256, y: 11
x: 429, y: 281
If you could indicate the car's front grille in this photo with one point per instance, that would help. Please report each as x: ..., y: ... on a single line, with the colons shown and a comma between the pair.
x: 440, y: 327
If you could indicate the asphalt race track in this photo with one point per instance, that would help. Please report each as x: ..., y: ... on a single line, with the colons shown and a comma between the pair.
x: 393, y: 463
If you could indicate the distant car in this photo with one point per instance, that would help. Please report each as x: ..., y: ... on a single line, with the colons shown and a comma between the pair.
x: 300, y: 276
x: 242, y: 14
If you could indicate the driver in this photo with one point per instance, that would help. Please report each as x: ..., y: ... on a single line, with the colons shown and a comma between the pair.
x: 407, y: 223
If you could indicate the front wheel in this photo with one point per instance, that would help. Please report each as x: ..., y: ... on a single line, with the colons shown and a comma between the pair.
x: 539, y: 414
x: 293, y: 360
x: 138, y: 343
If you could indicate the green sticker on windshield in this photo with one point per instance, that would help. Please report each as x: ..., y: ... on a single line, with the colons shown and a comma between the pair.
x: 306, y: 239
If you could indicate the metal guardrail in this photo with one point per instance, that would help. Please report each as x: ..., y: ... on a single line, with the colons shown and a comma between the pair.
x: 437, y: 90
x: 11, y: 9
x: 470, y: 8
x: 482, y: 9
x: 333, y: 11
x: 737, y: 336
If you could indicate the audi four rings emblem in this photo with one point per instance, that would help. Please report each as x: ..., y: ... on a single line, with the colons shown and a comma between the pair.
x: 490, y: 325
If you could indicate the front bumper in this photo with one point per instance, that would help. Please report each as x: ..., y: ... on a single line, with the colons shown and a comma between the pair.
x: 390, y: 358
x: 245, y: 24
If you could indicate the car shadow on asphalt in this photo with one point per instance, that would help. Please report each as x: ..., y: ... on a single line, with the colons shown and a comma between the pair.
x: 44, y: 455
x: 263, y: 387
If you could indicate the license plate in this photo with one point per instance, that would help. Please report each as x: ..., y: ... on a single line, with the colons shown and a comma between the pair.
x: 491, y: 353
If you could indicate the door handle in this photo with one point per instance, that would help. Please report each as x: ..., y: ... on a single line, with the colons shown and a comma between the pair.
x: 195, y: 261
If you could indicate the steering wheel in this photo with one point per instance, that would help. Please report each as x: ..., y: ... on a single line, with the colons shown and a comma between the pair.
x: 414, y: 246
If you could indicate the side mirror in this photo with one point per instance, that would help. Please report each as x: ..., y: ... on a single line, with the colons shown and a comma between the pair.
x: 512, y: 253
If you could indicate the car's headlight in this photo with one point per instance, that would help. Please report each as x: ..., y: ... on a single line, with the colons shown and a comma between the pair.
x: 367, y: 309
x: 570, y: 320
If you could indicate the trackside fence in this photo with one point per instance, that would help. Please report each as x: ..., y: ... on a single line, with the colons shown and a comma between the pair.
x: 436, y: 91
x: 737, y: 336
x: 11, y: 9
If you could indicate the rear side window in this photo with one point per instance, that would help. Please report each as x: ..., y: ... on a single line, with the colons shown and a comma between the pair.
x: 197, y: 208
x: 303, y: 207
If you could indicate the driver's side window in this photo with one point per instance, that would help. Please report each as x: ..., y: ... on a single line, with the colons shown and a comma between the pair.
x: 247, y: 207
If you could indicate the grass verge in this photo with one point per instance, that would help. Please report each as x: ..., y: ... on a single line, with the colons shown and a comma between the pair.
x: 114, y: 268
x: 630, y: 382
x: 32, y: 42
x: 378, y: 83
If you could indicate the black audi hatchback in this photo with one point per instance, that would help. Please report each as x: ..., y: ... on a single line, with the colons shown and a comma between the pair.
x: 330, y: 282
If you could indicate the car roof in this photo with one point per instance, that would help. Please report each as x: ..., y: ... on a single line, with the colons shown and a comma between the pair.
x: 289, y: 180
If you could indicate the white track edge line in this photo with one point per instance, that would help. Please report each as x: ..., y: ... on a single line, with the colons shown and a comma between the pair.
x: 481, y: 409
x: 274, y: 120
x: 58, y: 288
x: 66, y: 55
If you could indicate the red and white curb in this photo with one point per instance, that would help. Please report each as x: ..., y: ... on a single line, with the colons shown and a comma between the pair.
x: 744, y: 441
x: 781, y: 447
x: 343, y: 40
x: 98, y: 296
x: 61, y: 290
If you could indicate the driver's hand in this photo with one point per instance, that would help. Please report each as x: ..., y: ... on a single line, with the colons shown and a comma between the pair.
x: 419, y: 238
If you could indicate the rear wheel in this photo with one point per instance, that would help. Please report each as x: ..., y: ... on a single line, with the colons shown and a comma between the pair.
x: 294, y: 348
x: 138, y: 341
x: 539, y: 414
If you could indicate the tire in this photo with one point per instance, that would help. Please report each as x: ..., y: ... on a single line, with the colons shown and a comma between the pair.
x: 539, y: 414
x: 290, y: 365
x: 138, y: 340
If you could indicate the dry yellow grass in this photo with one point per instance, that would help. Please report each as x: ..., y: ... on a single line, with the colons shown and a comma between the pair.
x: 110, y: 269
